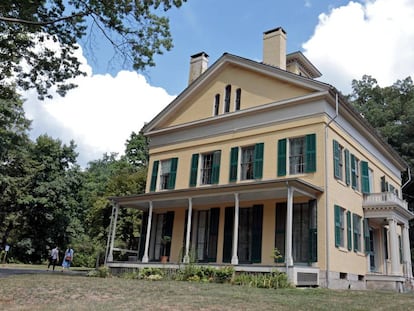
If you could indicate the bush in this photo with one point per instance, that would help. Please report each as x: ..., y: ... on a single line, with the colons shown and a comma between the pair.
x: 204, y: 274
x: 152, y: 274
x: 274, y: 280
x: 101, y: 272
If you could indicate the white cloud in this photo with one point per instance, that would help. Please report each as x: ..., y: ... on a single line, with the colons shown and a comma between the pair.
x: 374, y: 38
x: 100, y: 114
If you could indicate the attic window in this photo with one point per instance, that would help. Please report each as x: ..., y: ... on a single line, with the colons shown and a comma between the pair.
x: 227, y: 99
x: 216, y: 104
x: 238, y: 98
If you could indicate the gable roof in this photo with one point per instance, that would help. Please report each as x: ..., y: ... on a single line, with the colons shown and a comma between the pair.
x: 229, y: 59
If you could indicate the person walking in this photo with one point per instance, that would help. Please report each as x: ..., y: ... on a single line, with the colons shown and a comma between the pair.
x: 67, y: 258
x: 53, y: 258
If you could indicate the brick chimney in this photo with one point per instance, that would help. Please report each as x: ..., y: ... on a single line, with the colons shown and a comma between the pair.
x: 274, y: 47
x: 198, y: 64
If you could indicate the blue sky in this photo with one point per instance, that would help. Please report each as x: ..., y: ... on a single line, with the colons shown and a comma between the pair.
x: 343, y: 39
x: 217, y: 26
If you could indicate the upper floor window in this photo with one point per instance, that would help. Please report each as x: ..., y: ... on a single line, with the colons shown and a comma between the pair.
x: 247, y: 162
x: 209, y: 170
x: 298, y: 154
x: 238, y: 99
x: 338, y: 160
x: 251, y: 162
x: 163, y: 174
x: 216, y: 104
x: 227, y: 98
x: 354, y: 172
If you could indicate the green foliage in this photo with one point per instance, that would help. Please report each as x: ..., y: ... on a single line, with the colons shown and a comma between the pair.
x: 196, y: 273
x: 274, y: 280
x: 276, y: 255
x: 151, y: 274
x: 101, y: 272
x: 137, y: 30
x: 390, y: 110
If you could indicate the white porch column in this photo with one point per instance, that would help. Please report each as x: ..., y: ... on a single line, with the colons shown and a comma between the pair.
x: 406, y: 251
x: 395, y: 262
x: 111, y: 248
x: 186, y: 258
x: 147, y: 237
x: 289, y: 225
x: 234, y: 258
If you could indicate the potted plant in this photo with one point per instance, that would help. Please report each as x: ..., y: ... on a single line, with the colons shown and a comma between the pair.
x: 164, y: 241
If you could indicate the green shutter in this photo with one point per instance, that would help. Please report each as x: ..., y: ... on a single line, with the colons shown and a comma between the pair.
x: 281, y: 157
x: 366, y: 237
x: 215, y: 174
x: 213, y: 234
x: 364, y: 177
x: 349, y: 229
x: 310, y: 164
x: 234, y: 159
x: 313, y: 232
x: 257, y: 226
x: 167, y: 229
x: 336, y: 156
x: 347, y: 175
x: 194, y: 169
x: 258, y: 161
x: 154, y: 175
x: 228, y: 233
x: 173, y: 173
x: 353, y: 172
x: 337, y: 226
x: 383, y: 184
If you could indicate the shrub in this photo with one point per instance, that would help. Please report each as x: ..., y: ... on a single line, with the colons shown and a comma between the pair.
x: 101, y: 272
x: 152, y: 274
x: 274, y: 280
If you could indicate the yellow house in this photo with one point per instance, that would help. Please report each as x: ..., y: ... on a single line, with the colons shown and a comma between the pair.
x: 254, y: 156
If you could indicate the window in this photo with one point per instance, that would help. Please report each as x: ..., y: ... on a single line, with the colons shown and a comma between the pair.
x: 357, y: 232
x: 339, y: 226
x: 251, y: 162
x: 300, y: 157
x: 354, y: 172
x: 247, y: 154
x: 209, y: 170
x: 227, y: 98
x: 296, y: 155
x: 338, y: 160
x: 249, y: 248
x: 216, y: 104
x: 238, y: 99
x: 166, y: 170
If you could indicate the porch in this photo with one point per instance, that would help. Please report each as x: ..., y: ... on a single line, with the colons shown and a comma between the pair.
x: 240, y: 232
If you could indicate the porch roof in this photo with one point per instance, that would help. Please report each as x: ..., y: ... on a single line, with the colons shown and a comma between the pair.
x: 206, y: 195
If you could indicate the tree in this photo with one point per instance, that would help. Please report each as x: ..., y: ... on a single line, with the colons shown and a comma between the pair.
x: 390, y: 110
x: 48, y: 202
x: 31, y: 30
x: 14, y: 143
x: 136, y: 151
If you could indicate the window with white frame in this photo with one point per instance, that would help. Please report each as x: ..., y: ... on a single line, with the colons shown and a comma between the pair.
x: 339, y: 226
x: 357, y: 232
x: 297, y: 155
x: 247, y: 157
x: 209, y: 170
x: 354, y: 172
x: 338, y: 151
x: 165, y: 173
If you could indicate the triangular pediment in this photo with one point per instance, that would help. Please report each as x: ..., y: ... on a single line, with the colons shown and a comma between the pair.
x: 258, y: 84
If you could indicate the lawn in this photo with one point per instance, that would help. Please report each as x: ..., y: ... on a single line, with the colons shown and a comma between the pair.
x: 61, y: 291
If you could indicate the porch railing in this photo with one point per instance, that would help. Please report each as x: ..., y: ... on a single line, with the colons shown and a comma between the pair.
x: 383, y: 199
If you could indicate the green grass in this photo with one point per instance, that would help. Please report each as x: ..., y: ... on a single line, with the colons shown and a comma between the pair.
x: 57, y: 291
